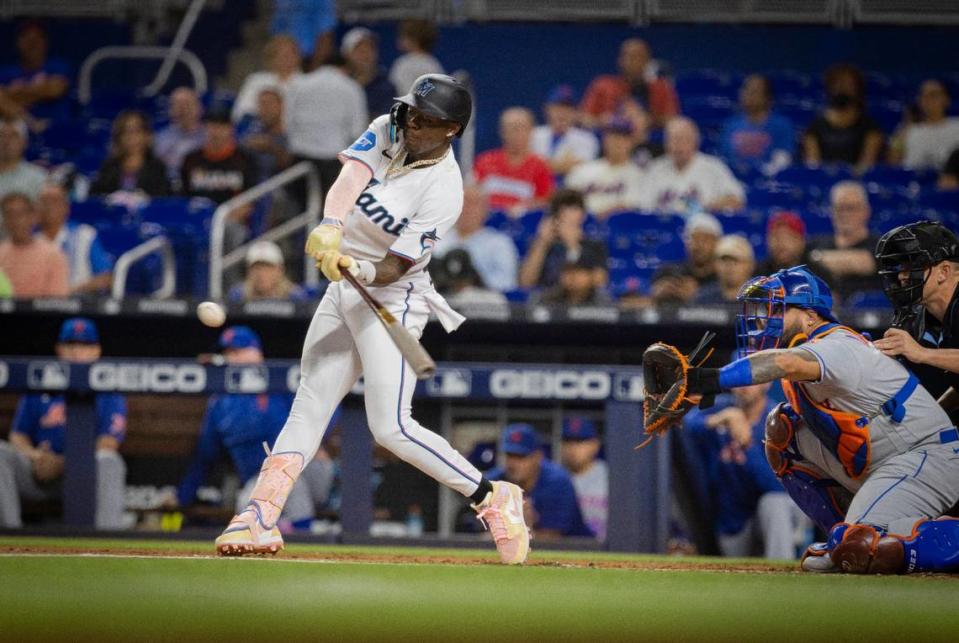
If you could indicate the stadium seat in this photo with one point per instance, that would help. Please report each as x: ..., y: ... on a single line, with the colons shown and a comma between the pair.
x: 940, y: 201
x: 517, y: 295
x: 97, y: 212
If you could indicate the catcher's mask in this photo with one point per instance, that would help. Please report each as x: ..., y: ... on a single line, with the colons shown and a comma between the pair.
x: 905, y: 255
x: 764, y: 300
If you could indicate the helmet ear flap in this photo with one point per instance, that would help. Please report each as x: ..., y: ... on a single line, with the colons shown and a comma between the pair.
x: 397, y: 120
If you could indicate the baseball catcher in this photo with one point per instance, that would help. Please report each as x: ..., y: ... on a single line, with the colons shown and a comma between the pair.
x: 861, y: 447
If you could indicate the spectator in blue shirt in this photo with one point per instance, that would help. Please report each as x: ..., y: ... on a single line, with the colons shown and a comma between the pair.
x: 361, y: 51
x: 311, y: 23
x: 552, y: 509
x: 35, y: 88
x: 90, y: 266
x: 757, y: 137
x: 753, y: 514
x: 239, y: 424
x: 31, y: 463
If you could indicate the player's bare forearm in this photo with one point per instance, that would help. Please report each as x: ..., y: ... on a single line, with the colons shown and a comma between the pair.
x: 792, y: 364
x: 390, y: 269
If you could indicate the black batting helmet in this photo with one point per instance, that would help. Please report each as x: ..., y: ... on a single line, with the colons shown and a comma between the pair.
x: 903, y: 254
x: 436, y: 95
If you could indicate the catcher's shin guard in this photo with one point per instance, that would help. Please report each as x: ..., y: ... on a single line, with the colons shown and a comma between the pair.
x: 933, y: 546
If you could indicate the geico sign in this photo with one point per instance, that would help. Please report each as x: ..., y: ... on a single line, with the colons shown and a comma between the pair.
x: 148, y: 378
x: 559, y: 384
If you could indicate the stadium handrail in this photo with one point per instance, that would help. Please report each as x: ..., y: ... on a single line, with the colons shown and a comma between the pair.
x: 179, y: 42
x: 160, y: 245
x: 307, y: 219
x: 187, y: 57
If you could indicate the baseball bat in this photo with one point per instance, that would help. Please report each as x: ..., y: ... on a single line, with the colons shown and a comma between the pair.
x: 412, y: 351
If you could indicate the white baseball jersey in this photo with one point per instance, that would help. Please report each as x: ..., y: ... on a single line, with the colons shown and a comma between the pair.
x: 704, y: 180
x: 607, y: 187
x: 405, y: 214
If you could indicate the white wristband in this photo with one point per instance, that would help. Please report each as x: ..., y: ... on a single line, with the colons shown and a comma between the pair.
x: 365, y: 272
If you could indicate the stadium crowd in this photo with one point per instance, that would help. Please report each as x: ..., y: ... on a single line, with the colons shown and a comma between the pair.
x: 650, y: 158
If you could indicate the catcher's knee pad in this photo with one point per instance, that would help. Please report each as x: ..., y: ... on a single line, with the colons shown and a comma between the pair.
x: 863, y: 549
x: 815, y: 495
x: 779, y: 442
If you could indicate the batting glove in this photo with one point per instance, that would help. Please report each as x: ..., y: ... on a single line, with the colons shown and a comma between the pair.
x: 332, y: 264
x: 324, y: 238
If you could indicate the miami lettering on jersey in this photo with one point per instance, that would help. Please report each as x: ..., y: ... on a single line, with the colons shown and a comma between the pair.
x: 379, y: 215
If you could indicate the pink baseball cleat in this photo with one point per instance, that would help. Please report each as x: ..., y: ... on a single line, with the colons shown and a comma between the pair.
x: 254, y: 530
x: 502, y: 513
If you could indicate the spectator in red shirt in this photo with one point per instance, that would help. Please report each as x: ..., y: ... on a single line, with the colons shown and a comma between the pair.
x: 514, y: 178
x: 638, y: 81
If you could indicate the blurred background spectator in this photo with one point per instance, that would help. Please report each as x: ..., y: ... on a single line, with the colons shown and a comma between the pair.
x: 590, y: 475
x: 416, y: 39
x: 786, y: 245
x: 240, y: 424
x: 284, y: 63
x: 757, y: 137
x: 735, y: 264
x: 90, y: 267
x: 16, y: 173
x: 36, y: 88
x: 34, y: 266
x: 686, y: 180
x: 463, y: 286
x: 843, y: 132
x: 183, y: 135
x: 927, y: 143
x: 263, y: 134
x: 6, y: 288
x: 551, y: 507
x: 361, y: 50
x: 492, y: 253
x: 130, y: 164
x: 265, y: 276
x: 219, y: 171
x: 577, y: 285
x: 560, y: 240
x: 639, y: 80
x: 311, y: 23
x: 678, y: 283
x: 324, y: 112
x: 752, y: 514
x: 612, y: 183
x: 560, y: 141
x: 847, y: 254
x: 513, y: 176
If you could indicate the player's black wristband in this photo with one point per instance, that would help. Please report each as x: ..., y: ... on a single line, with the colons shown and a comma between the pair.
x: 702, y: 381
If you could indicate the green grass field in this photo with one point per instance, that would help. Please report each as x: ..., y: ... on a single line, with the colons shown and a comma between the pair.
x: 137, y: 590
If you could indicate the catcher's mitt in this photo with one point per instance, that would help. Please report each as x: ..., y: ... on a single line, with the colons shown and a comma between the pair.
x: 664, y: 385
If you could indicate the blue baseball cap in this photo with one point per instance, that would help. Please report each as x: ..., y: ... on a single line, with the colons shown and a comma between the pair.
x: 239, y: 337
x: 78, y: 330
x: 578, y: 428
x: 519, y: 439
x: 563, y: 95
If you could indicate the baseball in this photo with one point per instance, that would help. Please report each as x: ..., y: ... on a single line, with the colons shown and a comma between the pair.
x: 211, y: 314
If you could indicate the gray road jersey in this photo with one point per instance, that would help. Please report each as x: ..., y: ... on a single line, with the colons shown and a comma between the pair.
x: 858, y: 378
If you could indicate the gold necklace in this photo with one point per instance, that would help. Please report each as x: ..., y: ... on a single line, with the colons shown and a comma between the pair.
x: 398, y: 168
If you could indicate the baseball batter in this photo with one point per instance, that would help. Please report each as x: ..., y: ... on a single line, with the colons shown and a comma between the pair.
x: 860, y: 445
x: 399, y: 191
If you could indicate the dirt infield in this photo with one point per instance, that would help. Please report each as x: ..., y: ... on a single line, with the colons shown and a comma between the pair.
x: 537, y: 559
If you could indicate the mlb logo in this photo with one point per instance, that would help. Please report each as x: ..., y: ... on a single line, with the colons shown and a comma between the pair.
x: 247, y: 379
x: 423, y: 89
x: 628, y: 387
x: 48, y: 376
x: 450, y: 383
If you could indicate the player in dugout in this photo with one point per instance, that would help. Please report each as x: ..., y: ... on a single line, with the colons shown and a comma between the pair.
x: 32, y: 462
x: 863, y: 449
x: 240, y: 424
